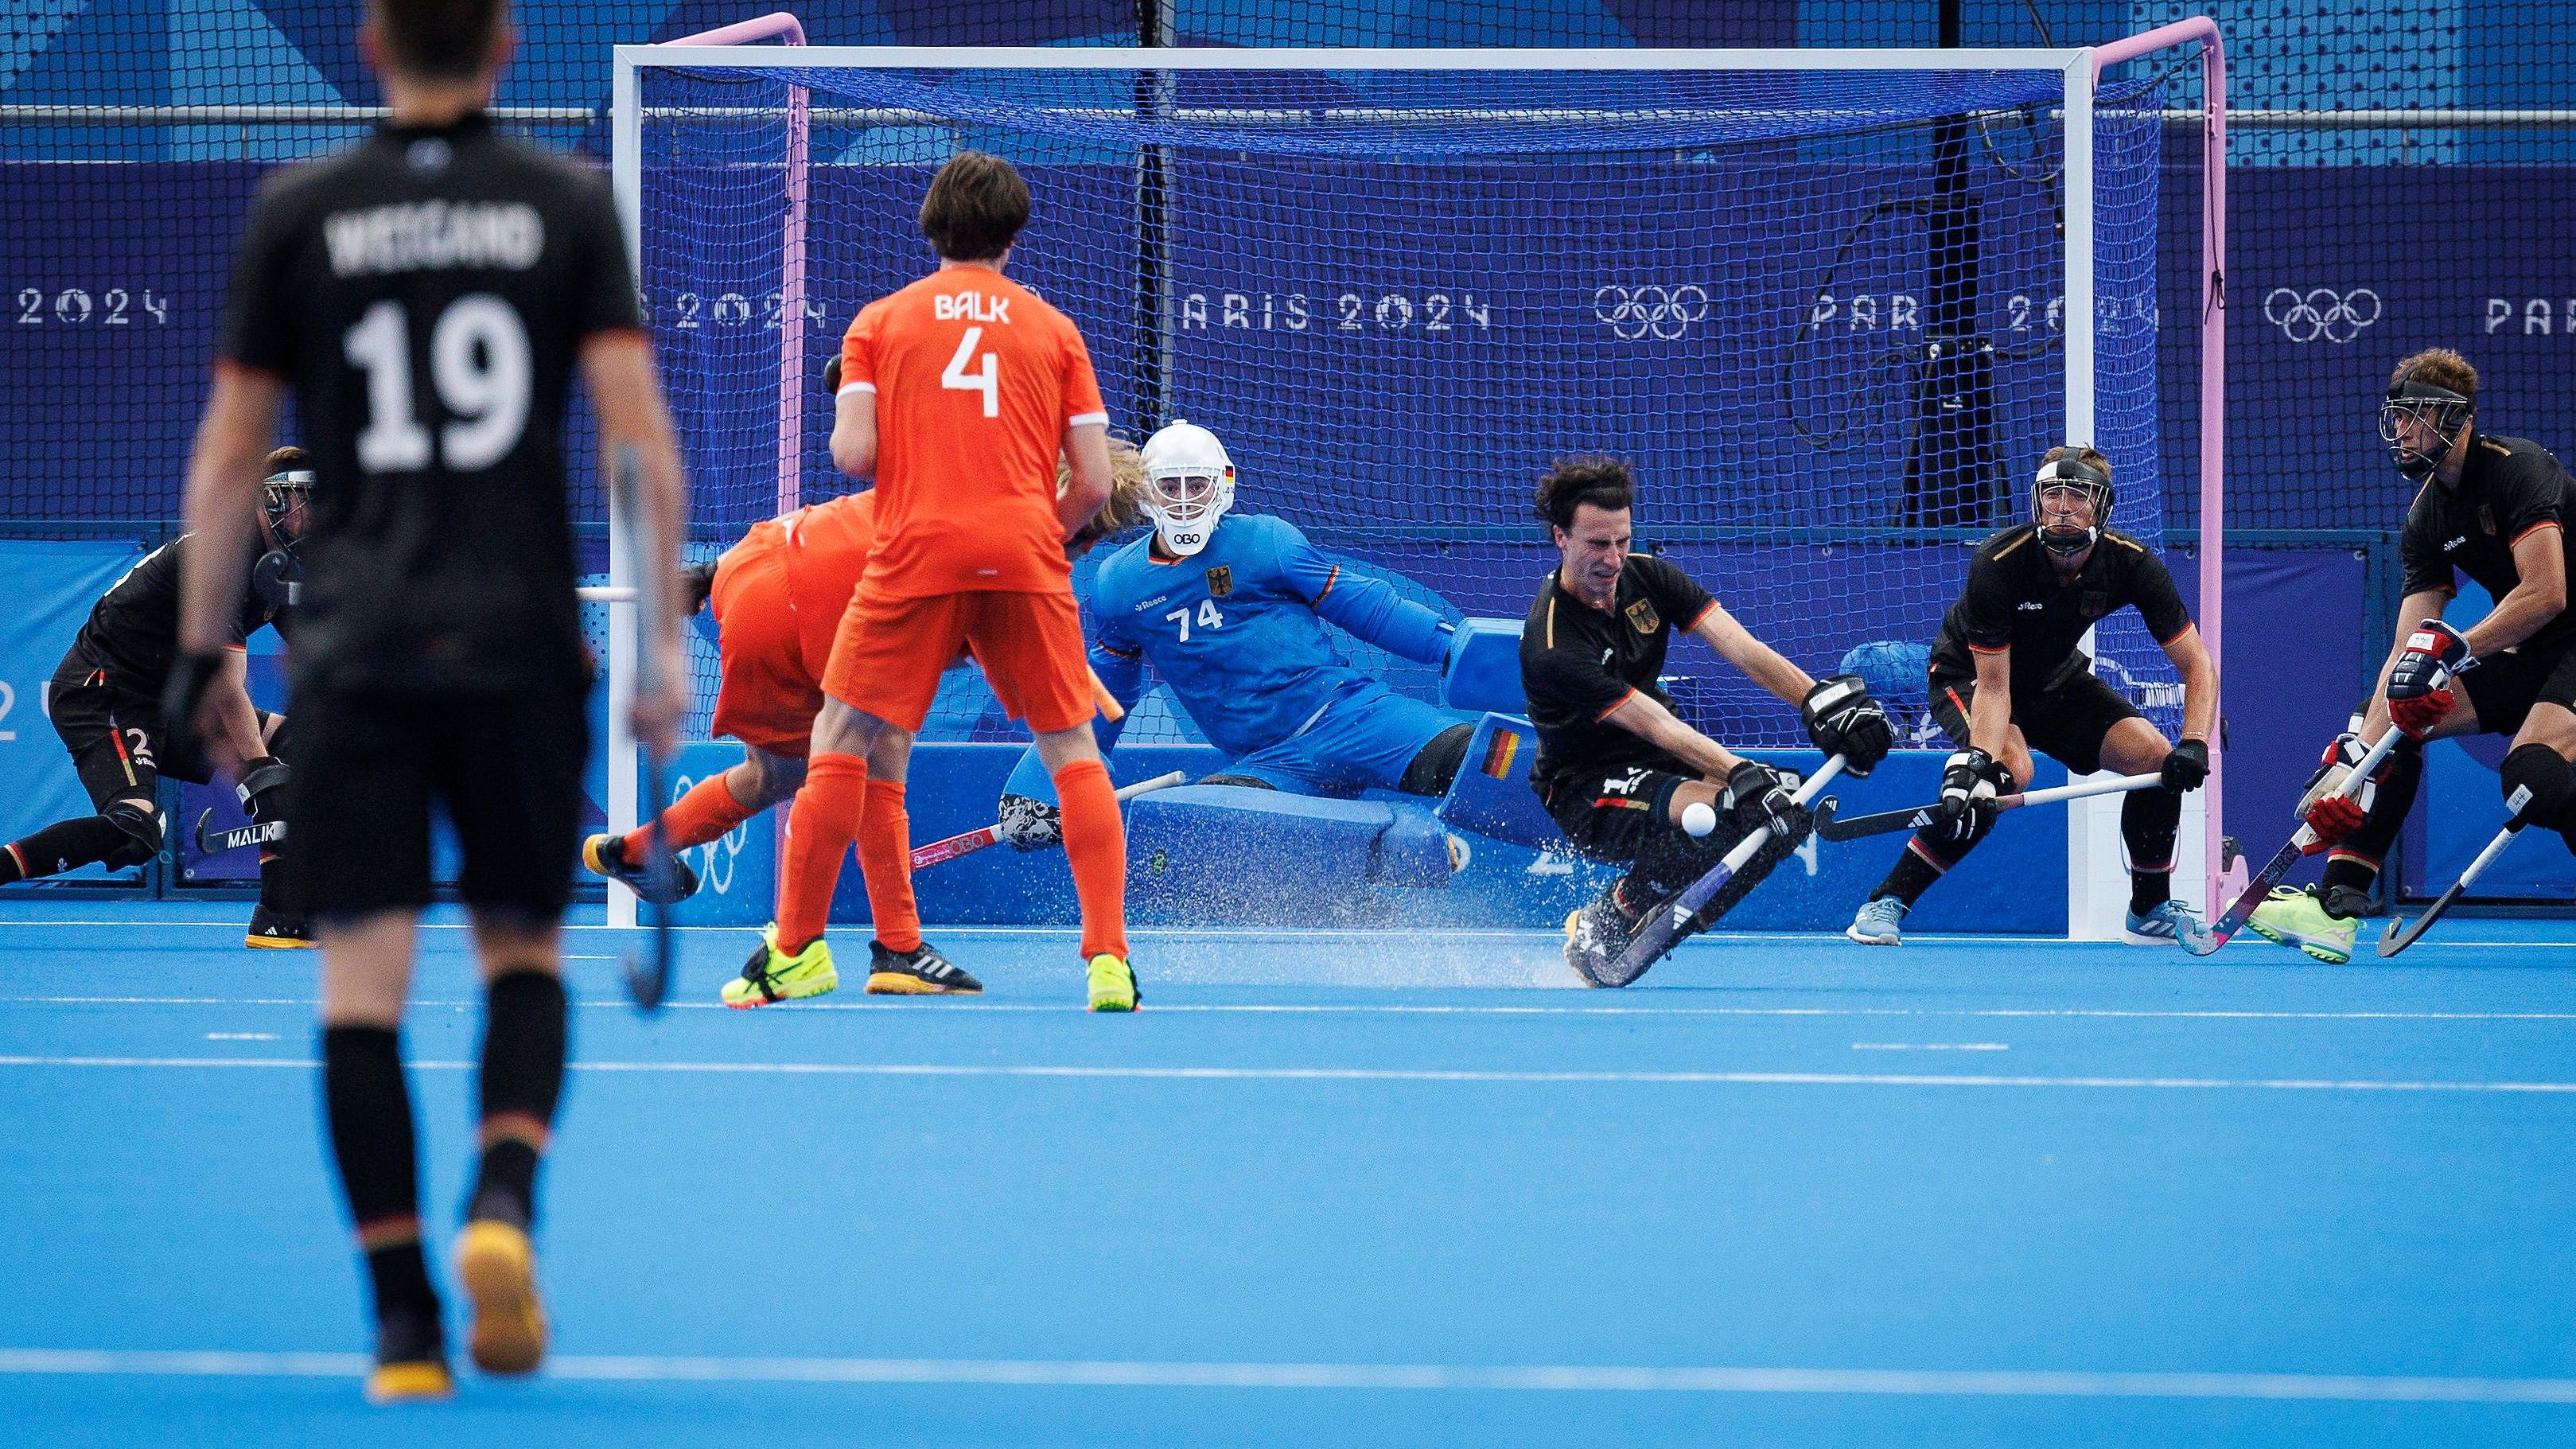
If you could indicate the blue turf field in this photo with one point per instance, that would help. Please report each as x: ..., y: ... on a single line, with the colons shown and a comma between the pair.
x: 1348, y: 1190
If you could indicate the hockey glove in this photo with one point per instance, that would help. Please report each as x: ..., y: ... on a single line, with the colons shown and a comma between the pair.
x: 1969, y: 779
x: 2327, y: 811
x: 262, y: 789
x: 1029, y: 824
x: 1843, y: 720
x: 696, y: 582
x: 1759, y: 799
x: 2419, y: 688
x: 2186, y: 767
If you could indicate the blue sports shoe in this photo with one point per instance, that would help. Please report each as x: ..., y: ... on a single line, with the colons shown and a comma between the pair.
x: 2169, y: 924
x: 1879, y: 923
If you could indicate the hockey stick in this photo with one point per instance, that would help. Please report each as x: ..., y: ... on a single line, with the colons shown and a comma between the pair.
x: 1666, y: 927
x: 1887, y: 822
x: 2394, y: 940
x: 975, y: 840
x: 648, y: 981
x: 2259, y: 888
x: 216, y: 842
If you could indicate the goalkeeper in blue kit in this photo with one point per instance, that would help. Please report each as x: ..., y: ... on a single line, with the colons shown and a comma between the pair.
x: 1230, y: 609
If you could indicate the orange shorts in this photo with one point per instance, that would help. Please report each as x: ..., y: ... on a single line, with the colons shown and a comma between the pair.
x: 890, y: 651
x: 769, y: 695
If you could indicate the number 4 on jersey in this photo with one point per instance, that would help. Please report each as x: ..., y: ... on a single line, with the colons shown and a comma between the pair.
x: 988, y: 382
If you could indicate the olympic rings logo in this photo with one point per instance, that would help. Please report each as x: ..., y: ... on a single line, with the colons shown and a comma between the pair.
x: 1639, y: 312
x: 2321, y: 312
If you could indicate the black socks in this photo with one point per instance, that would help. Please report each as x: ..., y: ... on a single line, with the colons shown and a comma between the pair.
x: 522, y: 1079
x: 367, y: 1104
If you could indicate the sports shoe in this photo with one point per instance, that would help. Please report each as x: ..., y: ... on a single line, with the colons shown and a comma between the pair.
x: 499, y: 1271
x: 270, y: 931
x: 411, y: 1359
x: 2168, y: 924
x: 1113, y: 984
x: 2299, y: 918
x: 921, y: 971
x: 1595, y: 934
x: 1879, y: 922
x: 606, y: 856
x: 773, y: 975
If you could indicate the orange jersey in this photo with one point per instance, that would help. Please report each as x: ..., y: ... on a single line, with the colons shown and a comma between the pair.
x: 778, y: 599
x: 976, y: 379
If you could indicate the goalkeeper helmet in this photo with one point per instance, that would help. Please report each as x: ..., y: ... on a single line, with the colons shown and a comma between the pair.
x: 2070, y: 473
x: 2437, y: 415
x: 1189, y: 484
x: 284, y: 496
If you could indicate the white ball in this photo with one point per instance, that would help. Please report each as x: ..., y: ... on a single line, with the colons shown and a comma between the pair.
x: 1698, y: 819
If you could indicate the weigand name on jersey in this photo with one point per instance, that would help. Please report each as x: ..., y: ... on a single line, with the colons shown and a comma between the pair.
x: 420, y: 236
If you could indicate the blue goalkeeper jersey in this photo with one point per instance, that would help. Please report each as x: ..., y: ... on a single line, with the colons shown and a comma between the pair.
x: 1237, y: 629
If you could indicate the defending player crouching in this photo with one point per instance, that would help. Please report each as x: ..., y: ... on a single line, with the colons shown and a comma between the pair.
x: 105, y: 703
x: 2007, y: 677
x: 1616, y: 765
x: 1229, y: 609
x: 2496, y: 509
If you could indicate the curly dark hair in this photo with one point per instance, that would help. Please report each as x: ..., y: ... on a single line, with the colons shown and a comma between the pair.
x: 1594, y: 478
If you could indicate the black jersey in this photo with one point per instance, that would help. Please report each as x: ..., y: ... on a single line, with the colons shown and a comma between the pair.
x: 133, y: 630
x: 425, y: 295
x: 2015, y: 600
x: 1578, y: 664
x: 2507, y: 488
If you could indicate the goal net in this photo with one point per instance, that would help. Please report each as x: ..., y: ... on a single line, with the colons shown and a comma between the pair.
x: 1832, y: 306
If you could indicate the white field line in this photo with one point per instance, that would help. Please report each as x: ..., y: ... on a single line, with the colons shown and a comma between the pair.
x: 962, y: 1008
x: 1361, y: 1074
x: 2002, y: 1383
x: 1930, y: 1046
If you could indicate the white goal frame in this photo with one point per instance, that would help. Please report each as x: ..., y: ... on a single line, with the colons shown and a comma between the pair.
x: 2097, y: 887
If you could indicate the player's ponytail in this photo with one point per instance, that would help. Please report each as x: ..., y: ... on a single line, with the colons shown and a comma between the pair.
x: 1597, y: 479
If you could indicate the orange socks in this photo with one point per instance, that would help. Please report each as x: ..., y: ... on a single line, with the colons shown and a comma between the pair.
x: 885, y: 858
x: 1095, y: 843
x: 820, y: 826
x: 707, y: 811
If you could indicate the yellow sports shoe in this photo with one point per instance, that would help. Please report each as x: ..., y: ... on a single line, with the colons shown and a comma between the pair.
x: 2298, y: 918
x: 773, y: 975
x: 409, y: 1382
x: 1113, y: 984
x: 499, y: 1271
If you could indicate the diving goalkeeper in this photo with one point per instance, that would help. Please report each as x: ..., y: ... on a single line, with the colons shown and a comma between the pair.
x: 1229, y: 609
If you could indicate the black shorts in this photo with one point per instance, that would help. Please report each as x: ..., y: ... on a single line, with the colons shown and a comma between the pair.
x: 2067, y: 723
x: 1612, y: 815
x: 507, y: 767
x: 112, y: 733
x: 1624, y: 816
x: 2504, y: 686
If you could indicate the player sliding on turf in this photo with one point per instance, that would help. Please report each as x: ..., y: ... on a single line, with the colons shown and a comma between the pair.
x: 2007, y: 678
x: 105, y: 702
x: 2496, y: 509
x: 1229, y: 609
x: 1616, y: 766
x: 957, y: 394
